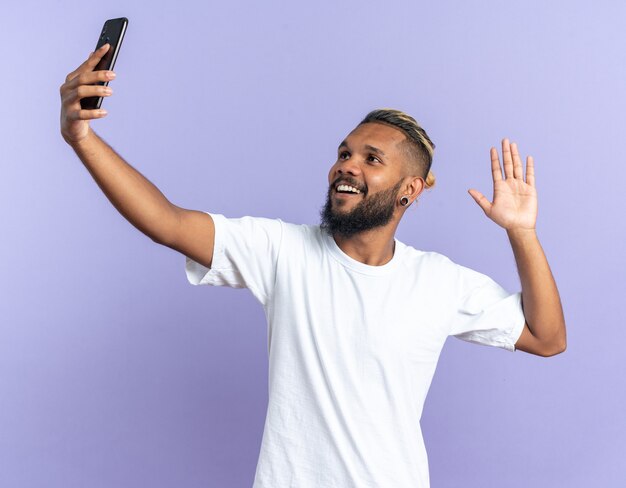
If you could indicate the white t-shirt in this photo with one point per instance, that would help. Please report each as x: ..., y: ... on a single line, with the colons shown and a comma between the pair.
x: 352, y: 348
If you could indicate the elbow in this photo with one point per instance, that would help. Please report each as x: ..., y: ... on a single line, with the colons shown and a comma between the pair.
x: 555, y: 348
x: 557, y: 344
x: 554, y: 351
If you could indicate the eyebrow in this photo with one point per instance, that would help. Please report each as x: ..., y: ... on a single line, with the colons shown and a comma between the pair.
x: 373, y: 149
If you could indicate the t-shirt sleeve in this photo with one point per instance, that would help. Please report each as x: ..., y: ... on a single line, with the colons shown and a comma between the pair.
x: 245, y: 255
x: 484, y: 312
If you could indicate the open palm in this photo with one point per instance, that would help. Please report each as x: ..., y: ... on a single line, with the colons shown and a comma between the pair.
x: 514, y: 203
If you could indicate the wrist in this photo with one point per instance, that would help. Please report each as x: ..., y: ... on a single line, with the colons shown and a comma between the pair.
x: 79, y: 144
x: 522, y: 233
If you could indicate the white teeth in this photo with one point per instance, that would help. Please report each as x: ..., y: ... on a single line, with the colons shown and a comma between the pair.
x: 348, y: 188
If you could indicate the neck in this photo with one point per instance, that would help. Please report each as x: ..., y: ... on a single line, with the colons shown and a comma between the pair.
x: 374, y: 247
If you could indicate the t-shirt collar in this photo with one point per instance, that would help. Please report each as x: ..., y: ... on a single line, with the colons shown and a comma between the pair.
x: 358, y: 266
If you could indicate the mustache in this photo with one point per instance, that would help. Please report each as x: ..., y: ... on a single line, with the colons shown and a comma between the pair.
x: 346, y: 180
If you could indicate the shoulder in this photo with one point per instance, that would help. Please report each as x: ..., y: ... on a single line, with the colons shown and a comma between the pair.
x: 435, y: 259
x: 427, y: 258
x: 300, y: 231
x: 434, y: 269
x: 245, y: 220
x: 246, y: 223
x: 266, y: 225
x: 303, y: 238
x: 443, y: 269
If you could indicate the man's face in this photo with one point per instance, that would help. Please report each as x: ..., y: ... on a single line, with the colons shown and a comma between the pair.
x: 365, y: 182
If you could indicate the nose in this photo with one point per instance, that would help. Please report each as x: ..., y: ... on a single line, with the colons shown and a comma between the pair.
x: 350, y: 166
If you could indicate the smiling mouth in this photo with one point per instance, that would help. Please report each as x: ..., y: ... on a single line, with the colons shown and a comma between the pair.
x: 343, y: 188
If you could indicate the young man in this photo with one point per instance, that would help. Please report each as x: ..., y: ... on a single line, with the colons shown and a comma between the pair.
x: 356, y: 318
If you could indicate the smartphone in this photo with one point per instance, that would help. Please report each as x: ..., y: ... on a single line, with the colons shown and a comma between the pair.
x: 112, y: 33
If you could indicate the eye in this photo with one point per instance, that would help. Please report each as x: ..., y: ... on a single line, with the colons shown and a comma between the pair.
x: 371, y: 156
x: 342, y: 153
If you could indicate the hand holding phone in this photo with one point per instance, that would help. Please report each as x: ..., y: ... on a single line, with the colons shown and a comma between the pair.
x: 113, y: 34
x: 85, y: 87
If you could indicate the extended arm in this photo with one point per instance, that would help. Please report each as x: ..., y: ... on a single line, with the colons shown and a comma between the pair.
x: 514, y: 207
x: 133, y: 195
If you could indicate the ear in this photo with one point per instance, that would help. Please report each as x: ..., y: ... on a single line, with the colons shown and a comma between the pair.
x: 414, y: 187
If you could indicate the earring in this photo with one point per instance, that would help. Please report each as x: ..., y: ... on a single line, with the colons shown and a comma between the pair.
x: 404, y: 201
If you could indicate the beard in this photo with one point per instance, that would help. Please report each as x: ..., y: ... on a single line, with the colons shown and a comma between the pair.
x: 369, y: 213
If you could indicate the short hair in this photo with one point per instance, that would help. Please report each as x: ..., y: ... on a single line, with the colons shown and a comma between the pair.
x: 419, y: 147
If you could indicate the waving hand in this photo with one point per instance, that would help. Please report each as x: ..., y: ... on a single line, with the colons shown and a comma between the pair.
x: 514, y: 205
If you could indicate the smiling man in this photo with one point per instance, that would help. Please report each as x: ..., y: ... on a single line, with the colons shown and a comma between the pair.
x: 356, y: 318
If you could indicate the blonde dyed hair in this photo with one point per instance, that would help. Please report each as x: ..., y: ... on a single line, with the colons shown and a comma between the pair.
x: 419, y: 147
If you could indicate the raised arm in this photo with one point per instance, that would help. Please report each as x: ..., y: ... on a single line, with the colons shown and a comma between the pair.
x: 133, y: 195
x: 514, y: 208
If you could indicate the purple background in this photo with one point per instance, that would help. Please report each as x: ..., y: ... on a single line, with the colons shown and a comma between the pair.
x: 114, y: 371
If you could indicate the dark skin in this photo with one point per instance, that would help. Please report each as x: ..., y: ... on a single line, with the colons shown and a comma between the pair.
x: 376, y: 171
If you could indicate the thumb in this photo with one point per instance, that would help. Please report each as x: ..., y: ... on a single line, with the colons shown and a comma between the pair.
x: 481, y: 200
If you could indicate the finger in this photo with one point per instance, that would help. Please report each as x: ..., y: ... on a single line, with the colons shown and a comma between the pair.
x: 518, y: 168
x: 94, y: 58
x: 88, y: 78
x: 481, y: 200
x: 84, y: 91
x: 86, y: 114
x: 90, y: 63
x: 496, y: 170
x: 506, y: 158
x: 530, y: 171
